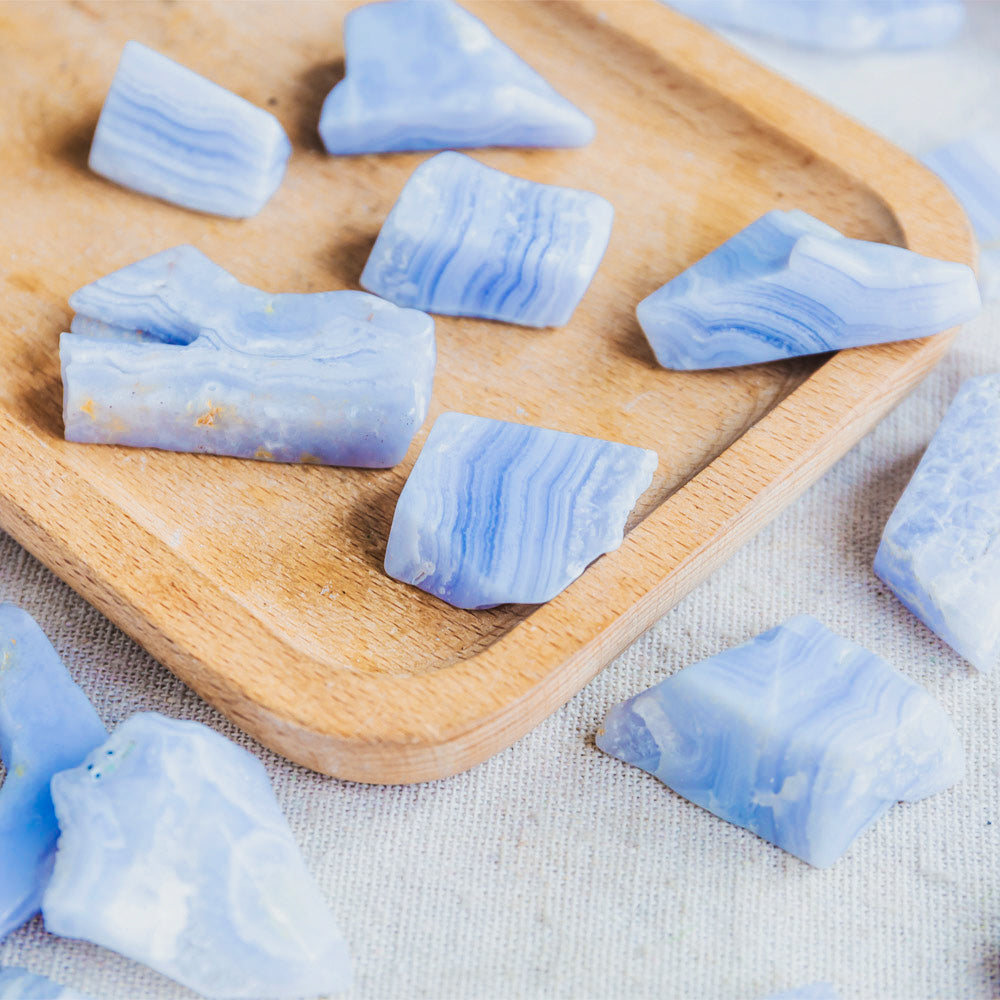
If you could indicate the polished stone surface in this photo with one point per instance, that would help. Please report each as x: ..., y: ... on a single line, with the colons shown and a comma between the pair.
x: 429, y: 75
x: 495, y: 512
x: 799, y: 735
x: 466, y: 240
x: 173, y: 352
x: 19, y: 984
x: 174, y: 852
x: 789, y: 285
x: 168, y: 132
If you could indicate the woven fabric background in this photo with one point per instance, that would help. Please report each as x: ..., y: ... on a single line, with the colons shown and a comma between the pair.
x: 555, y: 871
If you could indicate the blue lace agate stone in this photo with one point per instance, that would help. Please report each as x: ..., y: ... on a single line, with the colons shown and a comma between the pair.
x: 971, y: 168
x: 847, y: 25
x: 173, y: 352
x: 940, y: 551
x: 801, y: 736
x: 46, y: 724
x: 467, y: 240
x: 19, y: 984
x: 166, y: 131
x: 789, y: 285
x: 429, y: 75
x: 495, y: 512
x: 174, y: 852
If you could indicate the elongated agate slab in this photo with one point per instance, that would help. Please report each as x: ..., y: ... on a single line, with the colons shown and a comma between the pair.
x: 431, y: 76
x: 173, y: 352
x: 467, y: 240
x: 495, y: 512
x: 168, y: 132
x: 19, y: 984
x: 174, y: 852
x: 799, y: 735
x: 46, y: 724
x: 940, y: 551
x: 789, y: 285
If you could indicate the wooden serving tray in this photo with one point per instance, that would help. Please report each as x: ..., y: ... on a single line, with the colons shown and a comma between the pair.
x: 261, y: 585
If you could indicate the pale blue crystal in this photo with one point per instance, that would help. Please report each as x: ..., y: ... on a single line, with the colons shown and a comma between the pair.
x: 429, y: 75
x: 19, y: 984
x: 46, y: 724
x: 495, y: 512
x: 940, y: 551
x: 799, y: 735
x: 848, y: 25
x: 174, y: 852
x: 789, y: 285
x: 173, y: 352
x: 467, y: 240
x: 971, y: 168
x: 166, y: 131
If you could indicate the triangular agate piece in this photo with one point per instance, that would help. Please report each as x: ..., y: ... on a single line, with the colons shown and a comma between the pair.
x: 789, y: 285
x: 799, y: 735
x: 429, y: 75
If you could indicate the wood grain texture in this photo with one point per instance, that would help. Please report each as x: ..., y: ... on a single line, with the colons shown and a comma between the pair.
x: 261, y: 585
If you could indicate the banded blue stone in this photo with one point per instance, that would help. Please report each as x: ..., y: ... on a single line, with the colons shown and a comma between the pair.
x: 971, y: 168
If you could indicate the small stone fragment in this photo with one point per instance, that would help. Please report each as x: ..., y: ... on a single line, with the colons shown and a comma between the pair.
x: 174, y: 852
x: 940, y: 551
x: 168, y: 132
x: 466, y: 240
x: 789, y: 285
x: 495, y: 512
x: 46, y: 724
x: 19, y: 984
x: 799, y: 735
x: 173, y: 352
x: 431, y: 76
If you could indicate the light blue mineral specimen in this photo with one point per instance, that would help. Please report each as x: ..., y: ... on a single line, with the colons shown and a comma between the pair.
x: 495, y: 512
x: 173, y: 352
x: 971, y: 168
x: 801, y: 736
x: 19, y: 984
x: 940, y: 551
x: 429, y: 75
x: 466, y: 240
x: 789, y: 285
x: 166, y: 131
x: 174, y: 852
x: 46, y: 724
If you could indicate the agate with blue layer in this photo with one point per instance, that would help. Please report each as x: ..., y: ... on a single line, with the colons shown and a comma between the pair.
x: 173, y: 352
x: 971, y: 168
x: 429, y: 75
x: 799, y: 735
x: 495, y: 512
x: 940, y: 551
x: 46, y: 725
x: 846, y: 25
x: 466, y: 240
x: 174, y: 852
x: 789, y: 285
x: 19, y: 984
x: 168, y: 132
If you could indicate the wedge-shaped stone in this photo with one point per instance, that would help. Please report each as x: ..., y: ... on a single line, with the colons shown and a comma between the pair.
x: 174, y: 852
x: 789, y: 285
x: 801, y: 736
x: 495, y: 512
x: 467, y: 240
x: 19, y: 984
x: 431, y: 76
x: 940, y: 551
x: 168, y: 132
x: 46, y: 725
x: 173, y: 352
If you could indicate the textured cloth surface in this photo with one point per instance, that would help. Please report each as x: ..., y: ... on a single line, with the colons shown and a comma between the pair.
x: 555, y: 871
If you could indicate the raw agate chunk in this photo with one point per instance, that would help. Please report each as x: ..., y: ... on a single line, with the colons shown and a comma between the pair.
x: 431, y: 76
x: 801, y: 736
x: 174, y: 852
x: 496, y: 512
x: 46, y: 724
x: 788, y: 285
x: 467, y: 240
x: 166, y: 131
x: 173, y: 352
x: 940, y: 551
x: 850, y: 25
x: 19, y: 984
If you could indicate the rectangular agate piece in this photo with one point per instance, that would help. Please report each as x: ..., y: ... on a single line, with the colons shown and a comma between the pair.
x: 173, y: 352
